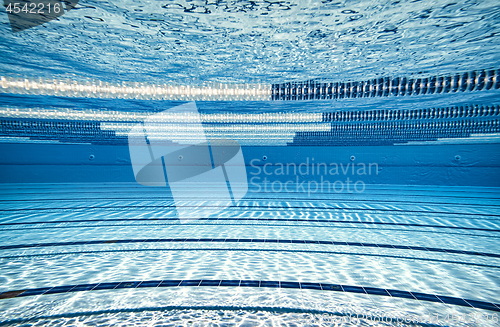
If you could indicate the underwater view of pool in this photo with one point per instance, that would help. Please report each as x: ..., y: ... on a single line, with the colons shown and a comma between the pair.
x: 249, y: 163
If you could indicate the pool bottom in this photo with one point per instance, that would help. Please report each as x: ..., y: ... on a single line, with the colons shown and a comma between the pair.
x: 425, y: 241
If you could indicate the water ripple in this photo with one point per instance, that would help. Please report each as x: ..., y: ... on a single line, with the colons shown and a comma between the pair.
x: 241, y: 41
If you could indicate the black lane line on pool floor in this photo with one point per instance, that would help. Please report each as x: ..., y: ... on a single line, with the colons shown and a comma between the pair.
x: 171, y: 225
x: 254, y: 283
x: 248, y: 207
x: 234, y: 240
x: 344, y: 200
x: 347, y: 317
x: 38, y: 255
x: 257, y: 219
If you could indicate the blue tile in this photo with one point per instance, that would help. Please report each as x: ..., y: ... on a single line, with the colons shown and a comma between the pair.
x: 290, y: 285
x: 389, y: 246
x: 56, y: 244
x: 83, y: 287
x: 169, y: 283
x: 93, y: 242
x: 60, y: 289
x: 484, y: 305
x: 270, y: 284
x: 249, y: 283
x: 128, y: 285
x: 352, y: 289
x: 331, y: 287
x: 376, y: 291
x: 271, y: 241
x: 457, y: 251
x: 105, y: 286
x: 310, y: 286
x: 401, y: 294
x: 453, y: 300
x: 210, y: 283
x: 475, y: 253
x: 436, y: 250
x: 426, y: 297
x: 190, y: 283
x: 230, y: 283
x: 27, y: 246
x: 403, y: 247
x: 417, y: 248
x: 149, y: 283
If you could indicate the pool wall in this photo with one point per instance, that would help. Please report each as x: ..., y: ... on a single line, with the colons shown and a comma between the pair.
x: 457, y: 164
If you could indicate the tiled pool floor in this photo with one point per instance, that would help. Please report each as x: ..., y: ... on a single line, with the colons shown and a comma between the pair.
x: 84, y: 250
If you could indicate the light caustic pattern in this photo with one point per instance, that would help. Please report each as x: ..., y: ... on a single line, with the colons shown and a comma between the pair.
x: 271, y: 41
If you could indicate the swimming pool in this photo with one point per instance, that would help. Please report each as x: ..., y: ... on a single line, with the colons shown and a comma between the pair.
x: 251, y: 163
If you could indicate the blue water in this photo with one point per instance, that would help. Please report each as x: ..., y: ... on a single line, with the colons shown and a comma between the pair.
x: 238, y: 42
x: 364, y: 194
